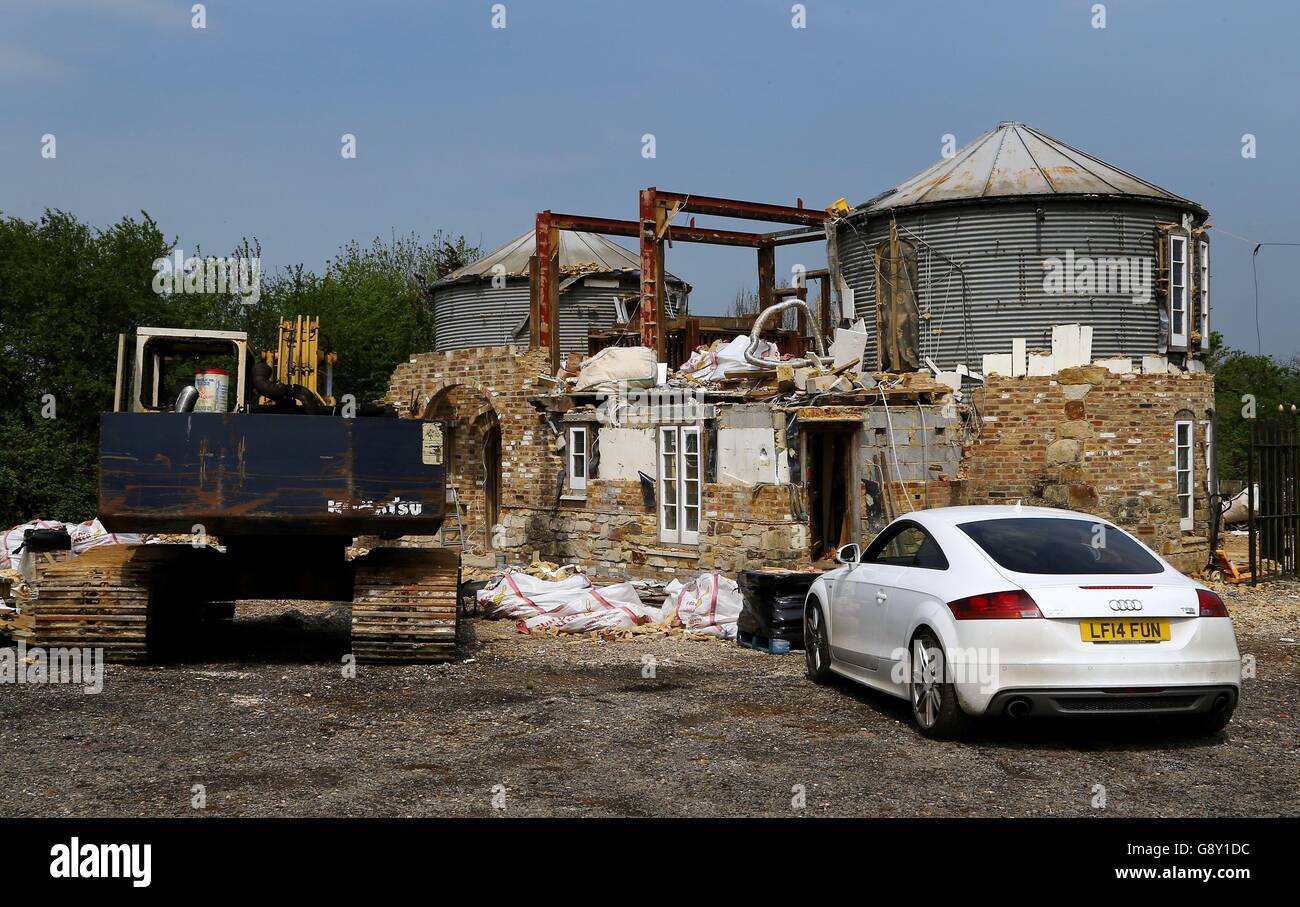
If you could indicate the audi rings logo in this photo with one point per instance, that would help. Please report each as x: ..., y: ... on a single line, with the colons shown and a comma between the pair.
x: 1125, y: 604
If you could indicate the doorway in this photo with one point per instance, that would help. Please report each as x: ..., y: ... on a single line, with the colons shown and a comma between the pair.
x: 831, y: 481
x: 491, y: 480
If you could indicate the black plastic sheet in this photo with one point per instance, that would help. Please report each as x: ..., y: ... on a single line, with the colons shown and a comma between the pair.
x: 773, y: 604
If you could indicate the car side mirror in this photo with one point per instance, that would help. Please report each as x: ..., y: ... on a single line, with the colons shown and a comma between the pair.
x: 848, y: 554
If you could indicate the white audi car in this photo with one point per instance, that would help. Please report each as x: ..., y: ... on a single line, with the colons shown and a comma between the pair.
x: 1018, y: 611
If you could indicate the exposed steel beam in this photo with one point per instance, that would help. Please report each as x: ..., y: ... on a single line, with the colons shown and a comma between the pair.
x: 652, y: 266
x: 766, y: 277
x: 707, y: 235
x: 730, y: 207
x: 604, y: 225
x: 544, y: 296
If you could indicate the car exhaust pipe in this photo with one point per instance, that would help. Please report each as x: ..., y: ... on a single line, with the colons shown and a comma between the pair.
x: 1018, y: 708
x: 1220, y: 704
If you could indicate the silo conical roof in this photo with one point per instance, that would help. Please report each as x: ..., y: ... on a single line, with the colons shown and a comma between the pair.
x: 579, y: 253
x: 1014, y: 160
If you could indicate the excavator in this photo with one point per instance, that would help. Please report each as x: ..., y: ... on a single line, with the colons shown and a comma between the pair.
x: 209, y: 445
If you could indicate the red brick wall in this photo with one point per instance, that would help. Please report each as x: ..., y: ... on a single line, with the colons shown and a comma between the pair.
x: 1093, y: 441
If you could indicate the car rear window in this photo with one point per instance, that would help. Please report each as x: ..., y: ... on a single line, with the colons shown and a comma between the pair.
x: 1058, y: 546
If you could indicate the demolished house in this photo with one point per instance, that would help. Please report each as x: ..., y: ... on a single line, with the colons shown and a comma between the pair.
x: 1021, y: 322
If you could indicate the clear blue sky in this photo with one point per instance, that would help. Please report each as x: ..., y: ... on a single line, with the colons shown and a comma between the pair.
x: 235, y: 130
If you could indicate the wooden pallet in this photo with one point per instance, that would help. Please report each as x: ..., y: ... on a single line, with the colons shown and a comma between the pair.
x: 404, y: 606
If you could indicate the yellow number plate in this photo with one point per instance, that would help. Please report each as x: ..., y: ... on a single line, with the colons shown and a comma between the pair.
x: 1124, y: 630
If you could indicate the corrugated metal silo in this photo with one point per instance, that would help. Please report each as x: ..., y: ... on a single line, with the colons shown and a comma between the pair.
x: 486, y: 303
x: 984, y: 223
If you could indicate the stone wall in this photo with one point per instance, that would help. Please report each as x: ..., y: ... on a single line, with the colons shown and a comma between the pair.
x: 1093, y: 441
x: 1084, y: 439
x: 613, y: 533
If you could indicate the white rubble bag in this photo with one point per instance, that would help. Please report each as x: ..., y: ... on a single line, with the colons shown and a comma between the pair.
x: 92, y: 534
x: 614, y: 365
x: 517, y: 595
x: 714, y: 364
x: 84, y: 536
x: 572, y: 605
x: 709, y: 606
x: 1236, y: 509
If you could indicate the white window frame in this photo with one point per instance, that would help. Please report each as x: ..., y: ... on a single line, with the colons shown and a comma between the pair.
x: 1178, y: 296
x: 1186, y: 511
x: 579, y: 456
x: 1211, y: 456
x: 1203, y: 291
x: 675, y: 499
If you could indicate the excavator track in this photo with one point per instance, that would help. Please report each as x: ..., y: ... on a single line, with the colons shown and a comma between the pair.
x: 105, y: 598
x: 404, y: 607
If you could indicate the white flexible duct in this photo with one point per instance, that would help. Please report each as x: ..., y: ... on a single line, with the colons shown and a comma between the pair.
x: 751, y: 352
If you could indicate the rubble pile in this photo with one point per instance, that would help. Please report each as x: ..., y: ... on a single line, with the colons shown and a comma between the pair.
x: 14, y: 593
x: 552, y: 599
x: 722, y: 369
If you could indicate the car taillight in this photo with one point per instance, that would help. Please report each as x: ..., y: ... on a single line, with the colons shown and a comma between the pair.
x: 995, y: 606
x: 1211, y: 604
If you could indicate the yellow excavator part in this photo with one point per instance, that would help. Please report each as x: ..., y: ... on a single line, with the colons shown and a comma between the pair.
x: 298, y: 357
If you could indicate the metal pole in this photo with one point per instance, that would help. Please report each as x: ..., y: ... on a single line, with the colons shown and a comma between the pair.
x: 1252, y: 539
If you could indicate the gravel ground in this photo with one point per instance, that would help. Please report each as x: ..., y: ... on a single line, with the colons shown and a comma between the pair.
x: 571, y: 727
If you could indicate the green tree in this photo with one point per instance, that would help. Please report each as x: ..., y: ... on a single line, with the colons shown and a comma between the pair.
x: 66, y: 291
x: 1237, y: 374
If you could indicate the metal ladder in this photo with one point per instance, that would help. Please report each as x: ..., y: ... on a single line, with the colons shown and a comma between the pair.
x: 457, y: 532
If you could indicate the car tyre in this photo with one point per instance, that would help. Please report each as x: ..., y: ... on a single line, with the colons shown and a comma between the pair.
x: 935, y: 709
x: 816, y: 644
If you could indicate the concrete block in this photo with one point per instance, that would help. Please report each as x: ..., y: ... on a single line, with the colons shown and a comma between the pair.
x: 997, y: 364
x: 1039, y: 364
x: 1155, y: 365
x: 1116, y: 366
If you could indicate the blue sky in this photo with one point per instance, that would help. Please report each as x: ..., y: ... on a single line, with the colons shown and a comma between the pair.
x: 234, y: 130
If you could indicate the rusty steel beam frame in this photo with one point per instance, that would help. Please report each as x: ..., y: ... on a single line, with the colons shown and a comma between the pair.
x: 654, y: 225
x: 706, y: 235
x: 544, y: 289
x: 658, y: 208
x: 653, y: 221
x: 742, y: 210
x: 766, y: 277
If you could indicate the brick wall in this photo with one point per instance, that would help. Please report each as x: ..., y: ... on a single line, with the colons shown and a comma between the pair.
x: 612, y: 531
x: 1084, y: 439
x: 1090, y: 440
x: 474, y: 390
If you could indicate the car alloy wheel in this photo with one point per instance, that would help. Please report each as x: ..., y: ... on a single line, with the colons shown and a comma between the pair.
x: 927, y: 680
x: 933, y: 697
x: 816, y: 645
